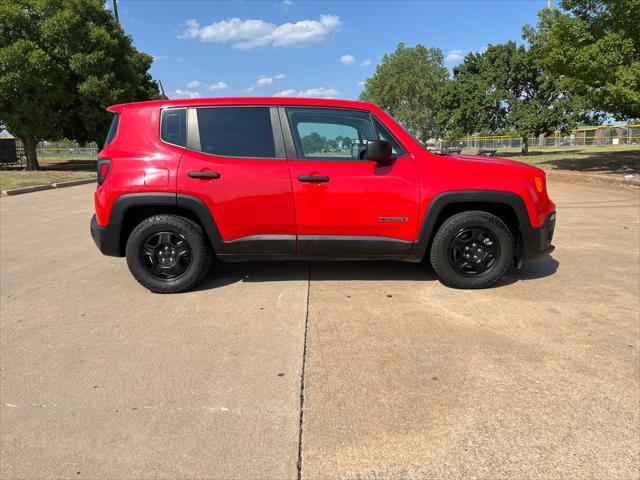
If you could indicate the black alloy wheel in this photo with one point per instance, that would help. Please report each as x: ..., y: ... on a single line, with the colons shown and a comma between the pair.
x: 474, y: 251
x: 166, y: 255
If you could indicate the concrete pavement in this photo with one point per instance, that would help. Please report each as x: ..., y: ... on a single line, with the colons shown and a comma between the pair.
x: 404, y: 378
x: 101, y: 378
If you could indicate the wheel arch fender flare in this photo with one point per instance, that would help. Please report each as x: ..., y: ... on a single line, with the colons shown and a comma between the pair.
x: 176, y: 201
x: 479, y: 197
x: 200, y: 209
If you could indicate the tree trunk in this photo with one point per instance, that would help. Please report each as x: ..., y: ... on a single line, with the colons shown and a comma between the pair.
x: 525, y: 146
x: 31, y: 152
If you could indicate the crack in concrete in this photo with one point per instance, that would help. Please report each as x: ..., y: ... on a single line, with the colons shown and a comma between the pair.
x: 304, y: 362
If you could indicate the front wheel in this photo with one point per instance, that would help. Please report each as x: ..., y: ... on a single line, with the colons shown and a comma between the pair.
x: 168, y: 254
x: 472, y: 249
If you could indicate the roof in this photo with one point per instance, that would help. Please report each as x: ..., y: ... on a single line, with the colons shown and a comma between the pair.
x: 4, y: 134
x: 197, y: 102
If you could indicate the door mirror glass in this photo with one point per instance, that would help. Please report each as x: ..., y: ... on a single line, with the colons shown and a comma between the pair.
x: 379, y: 151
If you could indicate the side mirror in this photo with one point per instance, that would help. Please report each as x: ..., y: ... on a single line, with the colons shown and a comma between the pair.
x: 379, y: 151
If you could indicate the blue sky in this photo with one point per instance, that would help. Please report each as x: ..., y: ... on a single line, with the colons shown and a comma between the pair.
x: 304, y: 48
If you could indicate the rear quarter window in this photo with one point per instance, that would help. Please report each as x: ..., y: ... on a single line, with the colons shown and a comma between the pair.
x: 113, y: 129
x: 173, y: 126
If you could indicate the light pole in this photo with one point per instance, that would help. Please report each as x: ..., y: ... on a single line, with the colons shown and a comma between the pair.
x: 115, y: 10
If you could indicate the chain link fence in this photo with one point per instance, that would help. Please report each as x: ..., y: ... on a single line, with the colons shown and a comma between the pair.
x: 63, y: 150
x: 580, y: 137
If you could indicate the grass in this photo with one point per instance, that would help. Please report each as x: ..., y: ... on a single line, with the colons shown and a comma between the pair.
x: 611, y: 159
x: 52, y: 170
x: 18, y: 179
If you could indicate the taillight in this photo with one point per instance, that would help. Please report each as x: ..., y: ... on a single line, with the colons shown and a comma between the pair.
x: 104, y: 167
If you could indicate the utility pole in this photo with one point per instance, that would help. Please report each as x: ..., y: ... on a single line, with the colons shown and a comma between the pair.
x: 162, y: 94
x: 115, y: 10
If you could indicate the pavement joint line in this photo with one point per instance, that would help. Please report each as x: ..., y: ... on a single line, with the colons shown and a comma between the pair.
x: 304, y: 362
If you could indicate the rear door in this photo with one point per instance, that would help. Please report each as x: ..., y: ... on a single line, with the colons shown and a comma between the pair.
x: 236, y: 165
x: 344, y: 205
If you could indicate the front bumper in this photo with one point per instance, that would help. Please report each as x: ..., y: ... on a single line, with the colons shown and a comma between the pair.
x: 537, y: 241
x: 107, y: 238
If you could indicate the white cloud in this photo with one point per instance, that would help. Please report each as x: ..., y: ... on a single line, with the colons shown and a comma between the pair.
x: 210, y: 86
x: 285, y: 4
x: 265, y: 81
x: 159, y: 57
x: 361, y: 84
x: 454, y: 56
x: 347, y: 60
x: 218, y: 86
x: 365, y: 63
x: 320, y: 92
x: 249, y: 34
x: 186, y: 94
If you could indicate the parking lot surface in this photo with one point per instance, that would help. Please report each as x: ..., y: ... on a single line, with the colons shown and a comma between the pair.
x: 403, y: 378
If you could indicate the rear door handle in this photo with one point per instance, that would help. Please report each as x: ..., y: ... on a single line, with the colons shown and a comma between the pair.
x: 313, y: 178
x: 204, y: 175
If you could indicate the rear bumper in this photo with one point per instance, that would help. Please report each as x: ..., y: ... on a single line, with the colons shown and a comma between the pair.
x: 107, y: 239
x: 537, y: 241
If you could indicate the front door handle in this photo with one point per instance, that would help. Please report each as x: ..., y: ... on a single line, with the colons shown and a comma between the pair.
x: 313, y: 178
x: 205, y: 175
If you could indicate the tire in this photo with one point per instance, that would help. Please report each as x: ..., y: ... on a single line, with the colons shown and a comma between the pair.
x: 178, y: 267
x: 473, y: 249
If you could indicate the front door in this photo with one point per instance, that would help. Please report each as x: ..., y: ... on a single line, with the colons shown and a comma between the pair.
x: 233, y: 165
x: 344, y: 205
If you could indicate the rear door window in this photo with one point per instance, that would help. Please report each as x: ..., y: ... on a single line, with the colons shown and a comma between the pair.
x: 236, y: 132
x: 173, y: 126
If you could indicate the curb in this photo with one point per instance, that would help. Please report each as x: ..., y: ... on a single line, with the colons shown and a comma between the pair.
x: 590, y: 178
x: 49, y: 186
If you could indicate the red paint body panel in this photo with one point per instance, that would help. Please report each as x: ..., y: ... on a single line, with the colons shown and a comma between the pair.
x: 251, y: 197
x: 356, y: 196
x: 263, y: 196
x: 135, y: 150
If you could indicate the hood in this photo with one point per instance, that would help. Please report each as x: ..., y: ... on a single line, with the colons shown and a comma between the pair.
x: 483, y: 159
x: 489, y: 162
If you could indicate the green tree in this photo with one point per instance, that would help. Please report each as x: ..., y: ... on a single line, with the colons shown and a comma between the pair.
x: 406, y: 84
x: 61, y: 63
x: 506, y: 87
x: 594, y: 47
x: 472, y: 101
x: 313, y: 143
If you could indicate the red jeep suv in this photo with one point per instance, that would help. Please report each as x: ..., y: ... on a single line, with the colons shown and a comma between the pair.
x: 180, y: 181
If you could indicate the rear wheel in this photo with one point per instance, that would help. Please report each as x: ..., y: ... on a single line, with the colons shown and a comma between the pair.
x: 168, y: 254
x: 472, y: 249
